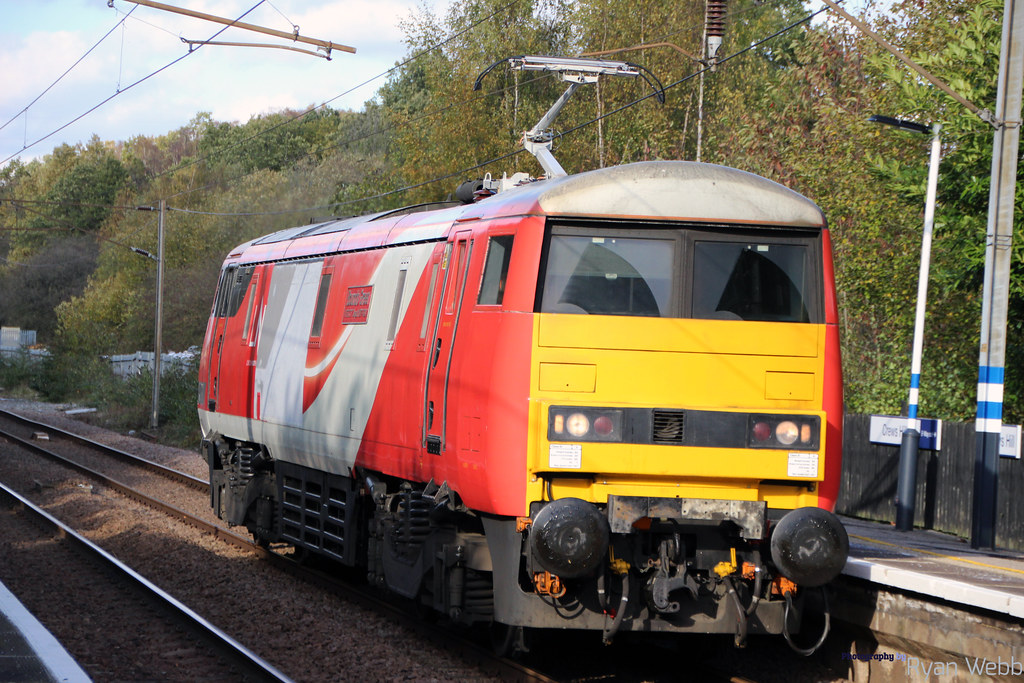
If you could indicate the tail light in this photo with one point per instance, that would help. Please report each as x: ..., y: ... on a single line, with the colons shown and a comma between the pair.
x: 568, y: 423
x: 800, y: 432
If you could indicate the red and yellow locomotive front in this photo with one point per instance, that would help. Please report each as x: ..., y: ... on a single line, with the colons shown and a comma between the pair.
x: 610, y: 401
x: 682, y: 442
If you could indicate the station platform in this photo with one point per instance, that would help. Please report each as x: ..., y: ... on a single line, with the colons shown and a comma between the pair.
x: 28, y: 652
x: 936, y: 565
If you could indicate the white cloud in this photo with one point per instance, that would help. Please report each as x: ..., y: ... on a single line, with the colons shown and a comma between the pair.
x: 232, y: 83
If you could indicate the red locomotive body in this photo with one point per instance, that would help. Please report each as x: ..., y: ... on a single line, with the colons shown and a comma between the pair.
x: 596, y: 394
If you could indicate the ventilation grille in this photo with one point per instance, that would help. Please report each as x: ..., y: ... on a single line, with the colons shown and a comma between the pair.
x: 668, y: 426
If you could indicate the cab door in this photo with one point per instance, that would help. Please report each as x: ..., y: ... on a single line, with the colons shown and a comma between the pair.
x: 228, y: 370
x: 443, y: 348
x: 249, y: 339
x: 214, y: 344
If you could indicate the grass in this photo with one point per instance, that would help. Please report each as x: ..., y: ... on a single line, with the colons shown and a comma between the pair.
x: 122, y: 405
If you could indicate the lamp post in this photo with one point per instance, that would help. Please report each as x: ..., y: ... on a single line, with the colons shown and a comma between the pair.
x: 154, y: 420
x: 906, y: 488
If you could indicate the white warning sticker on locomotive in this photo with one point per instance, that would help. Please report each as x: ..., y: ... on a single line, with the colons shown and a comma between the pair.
x: 802, y: 465
x: 565, y: 456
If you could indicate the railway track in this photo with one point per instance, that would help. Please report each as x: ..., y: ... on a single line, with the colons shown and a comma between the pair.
x: 107, y: 466
x: 147, y: 616
x: 44, y: 440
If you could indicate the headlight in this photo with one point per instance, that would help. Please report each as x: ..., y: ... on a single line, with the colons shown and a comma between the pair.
x: 577, y: 425
x: 571, y: 423
x: 800, y: 432
x: 786, y: 432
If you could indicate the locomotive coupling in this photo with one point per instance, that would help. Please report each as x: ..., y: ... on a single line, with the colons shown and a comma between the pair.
x: 569, y: 537
x: 809, y: 546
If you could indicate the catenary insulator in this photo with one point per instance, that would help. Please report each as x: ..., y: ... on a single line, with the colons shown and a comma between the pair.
x: 714, y: 22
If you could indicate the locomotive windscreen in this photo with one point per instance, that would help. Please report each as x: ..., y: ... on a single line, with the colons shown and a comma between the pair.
x: 750, y: 281
x: 609, y: 275
x: 764, y: 275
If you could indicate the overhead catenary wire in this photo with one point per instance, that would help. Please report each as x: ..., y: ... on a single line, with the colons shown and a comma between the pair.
x: 418, y: 55
x: 333, y: 205
x: 122, y: 90
x: 237, y: 23
x: 379, y: 130
x: 69, y: 69
x: 594, y: 120
x: 493, y: 160
x: 697, y: 73
x: 982, y: 114
x: 324, y: 104
x: 62, y: 226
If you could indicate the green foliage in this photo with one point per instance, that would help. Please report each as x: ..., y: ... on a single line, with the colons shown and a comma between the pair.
x: 46, y: 278
x: 274, y: 142
x: 125, y: 404
x: 18, y: 374
x: 793, y: 109
x: 960, y: 43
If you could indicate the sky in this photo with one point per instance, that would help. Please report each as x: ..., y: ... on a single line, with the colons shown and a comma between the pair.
x: 41, y: 39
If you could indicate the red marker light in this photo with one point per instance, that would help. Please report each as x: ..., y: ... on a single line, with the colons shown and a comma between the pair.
x: 604, y: 425
x: 762, y: 431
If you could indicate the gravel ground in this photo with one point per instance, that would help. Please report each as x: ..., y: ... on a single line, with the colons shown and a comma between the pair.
x: 304, y: 631
x: 307, y: 633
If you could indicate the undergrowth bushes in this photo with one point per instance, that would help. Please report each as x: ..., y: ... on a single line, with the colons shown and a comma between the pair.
x: 121, y: 404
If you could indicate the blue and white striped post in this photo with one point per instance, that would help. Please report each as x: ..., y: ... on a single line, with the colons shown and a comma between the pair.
x: 988, y: 425
x: 996, y: 288
x: 907, y: 483
x: 906, y: 487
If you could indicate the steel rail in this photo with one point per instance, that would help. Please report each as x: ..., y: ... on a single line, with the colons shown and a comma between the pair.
x: 505, y: 668
x: 169, y: 473
x: 250, y: 664
x: 138, y: 496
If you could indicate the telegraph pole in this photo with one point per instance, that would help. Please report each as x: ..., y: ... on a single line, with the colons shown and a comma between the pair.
x: 154, y: 419
x: 995, y: 293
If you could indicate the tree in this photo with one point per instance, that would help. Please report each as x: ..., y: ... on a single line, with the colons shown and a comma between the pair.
x: 34, y: 288
x: 959, y: 42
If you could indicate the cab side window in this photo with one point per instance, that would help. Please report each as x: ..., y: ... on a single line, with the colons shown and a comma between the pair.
x: 492, y: 284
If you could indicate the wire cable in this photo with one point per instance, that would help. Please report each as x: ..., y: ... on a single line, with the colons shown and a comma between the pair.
x: 520, y: 150
x: 696, y: 73
x: 336, y: 97
x: 365, y: 136
x: 123, y: 90
x: 69, y: 69
x: 736, y: 54
x: 62, y: 226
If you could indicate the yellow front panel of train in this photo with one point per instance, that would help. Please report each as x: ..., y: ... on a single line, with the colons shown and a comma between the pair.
x: 731, y: 369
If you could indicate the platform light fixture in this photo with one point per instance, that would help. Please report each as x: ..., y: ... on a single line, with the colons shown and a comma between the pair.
x: 906, y: 488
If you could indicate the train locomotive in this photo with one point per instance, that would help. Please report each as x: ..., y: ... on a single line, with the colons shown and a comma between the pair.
x: 608, y: 401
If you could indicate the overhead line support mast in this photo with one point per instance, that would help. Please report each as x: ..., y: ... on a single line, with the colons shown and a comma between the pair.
x: 294, y: 36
